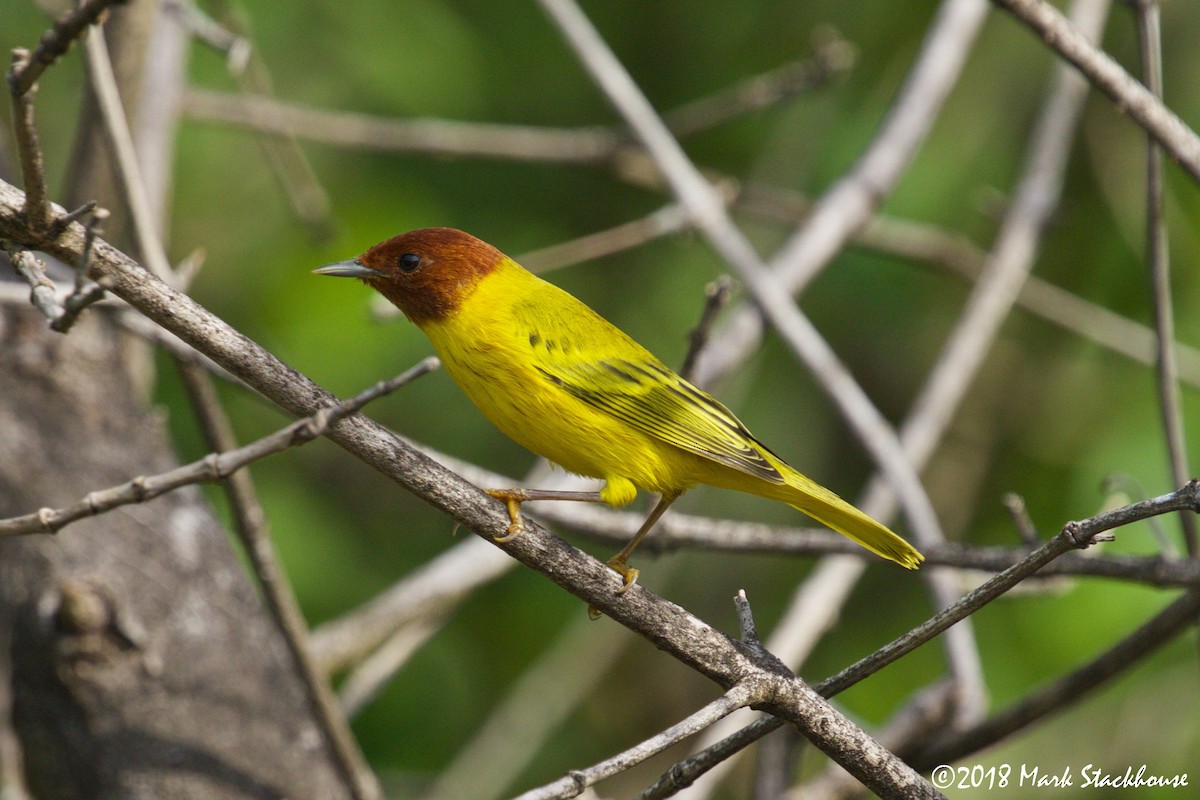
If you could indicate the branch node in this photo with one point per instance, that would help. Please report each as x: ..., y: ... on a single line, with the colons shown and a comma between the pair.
x: 46, y: 518
x: 315, y: 425
x: 212, y: 463
x: 578, y: 778
x: 138, y: 486
x: 1192, y: 490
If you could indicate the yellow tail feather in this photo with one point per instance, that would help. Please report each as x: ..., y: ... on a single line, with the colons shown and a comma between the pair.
x: 825, y: 507
x: 850, y: 522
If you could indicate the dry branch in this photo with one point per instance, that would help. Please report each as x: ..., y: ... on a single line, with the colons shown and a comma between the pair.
x: 213, y: 467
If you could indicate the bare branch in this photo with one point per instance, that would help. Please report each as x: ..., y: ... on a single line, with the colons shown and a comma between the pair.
x: 1158, y: 257
x: 575, y: 782
x: 832, y: 55
x: 1072, y: 536
x: 666, y: 220
x: 57, y: 41
x: 431, y: 136
x: 1179, y: 141
x: 213, y: 467
x: 29, y: 146
x: 237, y: 48
x: 717, y: 294
x: 1068, y: 689
x: 86, y: 290
x: 128, y: 171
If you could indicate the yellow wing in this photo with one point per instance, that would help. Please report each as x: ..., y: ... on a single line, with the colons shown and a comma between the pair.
x: 594, y: 361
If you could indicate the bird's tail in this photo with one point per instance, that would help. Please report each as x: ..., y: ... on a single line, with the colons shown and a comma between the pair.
x: 826, y: 507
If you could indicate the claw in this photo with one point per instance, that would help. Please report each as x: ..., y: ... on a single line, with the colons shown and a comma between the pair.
x: 622, y: 568
x: 628, y: 573
x: 512, y: 499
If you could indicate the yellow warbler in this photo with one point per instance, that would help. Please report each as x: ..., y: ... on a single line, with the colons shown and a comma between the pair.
x: 562, y: 381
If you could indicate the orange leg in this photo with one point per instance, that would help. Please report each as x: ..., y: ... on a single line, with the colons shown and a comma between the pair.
x: 514, y: 497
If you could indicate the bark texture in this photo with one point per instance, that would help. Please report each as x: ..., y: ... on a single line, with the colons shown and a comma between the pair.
x: 139, y: 659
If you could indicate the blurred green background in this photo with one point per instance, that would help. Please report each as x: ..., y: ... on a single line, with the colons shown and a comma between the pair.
x: 1051, y: 417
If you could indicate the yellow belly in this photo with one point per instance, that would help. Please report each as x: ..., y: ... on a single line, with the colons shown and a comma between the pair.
x: 553, y: 423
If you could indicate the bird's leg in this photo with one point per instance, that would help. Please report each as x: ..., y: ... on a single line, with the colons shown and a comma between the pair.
x: 620, y: 562
x: 514, y: 497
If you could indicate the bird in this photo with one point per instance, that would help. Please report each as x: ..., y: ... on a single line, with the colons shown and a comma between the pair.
x: 565, y: 383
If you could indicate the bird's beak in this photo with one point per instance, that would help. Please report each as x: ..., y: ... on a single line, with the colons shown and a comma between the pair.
x: 348, y: 269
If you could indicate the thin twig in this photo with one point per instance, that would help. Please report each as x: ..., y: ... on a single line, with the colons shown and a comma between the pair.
x: 1068, y: 689
x: 832, y: 55
x: 430, y: 136
x: 213, y: 467
x: 1014, y: 504
x: 237, y: 49
x: 128, y: 170
x: 1074, y: 535
x: 1148, y: 111
x: 669, y: 219
x: 688, y: 532
x: 577, y: 781
x: 87, y: 291
x: 1158, y: 257
x: 55, y: 42
x: 29, y: 147
x: 593, y: 144
x: 717, y: 296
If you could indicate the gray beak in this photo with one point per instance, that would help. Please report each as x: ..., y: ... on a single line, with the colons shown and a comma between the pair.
x: 347, y: 269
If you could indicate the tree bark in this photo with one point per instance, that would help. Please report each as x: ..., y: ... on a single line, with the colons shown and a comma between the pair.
x: 140, y: 659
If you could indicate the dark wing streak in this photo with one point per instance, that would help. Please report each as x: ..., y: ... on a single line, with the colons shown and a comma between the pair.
x: 667, y: 408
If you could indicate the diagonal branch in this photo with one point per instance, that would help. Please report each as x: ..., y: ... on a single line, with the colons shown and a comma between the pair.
x: 1134, y: 99
x: 213, y: 467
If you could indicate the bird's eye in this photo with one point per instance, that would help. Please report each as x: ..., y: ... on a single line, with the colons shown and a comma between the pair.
x: 409, y: 262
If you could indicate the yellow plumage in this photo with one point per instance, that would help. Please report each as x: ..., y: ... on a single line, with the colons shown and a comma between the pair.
x: 562, y: 381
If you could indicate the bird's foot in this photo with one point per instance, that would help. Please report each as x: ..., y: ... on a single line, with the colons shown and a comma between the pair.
x: 628, y: 573
x: 619, y: 565
x: 512, y: 498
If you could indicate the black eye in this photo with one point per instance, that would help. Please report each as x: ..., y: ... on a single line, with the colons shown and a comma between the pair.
x: 409, y: 262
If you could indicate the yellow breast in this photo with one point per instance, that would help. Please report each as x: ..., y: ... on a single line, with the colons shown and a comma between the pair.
x: 492, y: 347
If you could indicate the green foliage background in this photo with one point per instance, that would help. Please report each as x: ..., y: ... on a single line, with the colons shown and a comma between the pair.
x: 1051, y: 417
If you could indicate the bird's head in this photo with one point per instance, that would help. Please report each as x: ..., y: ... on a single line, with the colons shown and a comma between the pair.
x: 426, y: 273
